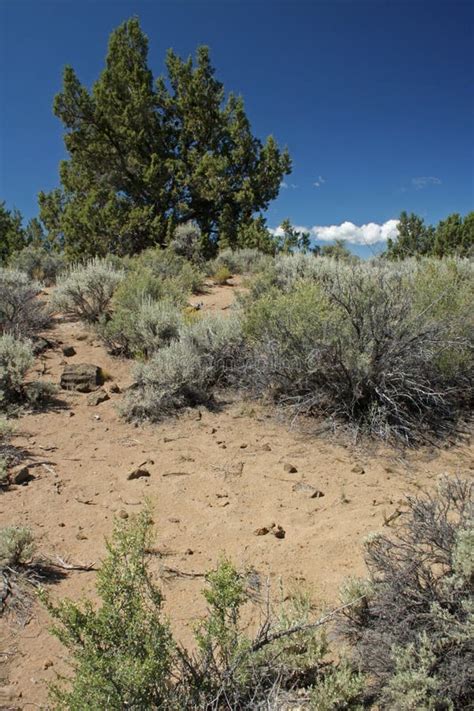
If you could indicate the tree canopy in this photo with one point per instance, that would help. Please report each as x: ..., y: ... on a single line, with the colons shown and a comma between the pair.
x: 146, y: 155
x: 453, y: 236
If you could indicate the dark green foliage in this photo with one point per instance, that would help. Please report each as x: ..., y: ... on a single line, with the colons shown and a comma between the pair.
x: 148, y: 155
x: 338, y: 251
x: 413, y: 631
x: 12, y: 235
x: 293, y: 240
x: 123, y: 650
x: 453, y: 236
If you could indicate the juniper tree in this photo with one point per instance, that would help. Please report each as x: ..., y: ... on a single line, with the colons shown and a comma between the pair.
x: 145, y: 153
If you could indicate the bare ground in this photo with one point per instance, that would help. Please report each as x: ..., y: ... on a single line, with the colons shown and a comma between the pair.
x: 216, y: 477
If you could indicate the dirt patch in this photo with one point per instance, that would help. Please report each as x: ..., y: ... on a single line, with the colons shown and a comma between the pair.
x: 215, y: 478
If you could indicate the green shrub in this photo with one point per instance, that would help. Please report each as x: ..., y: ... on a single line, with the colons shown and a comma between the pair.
x: 387, y: 349
x: 221, y: 275
x: 141, y: 332
x: 186, y: 242
x: 16, y: 546
x: 38, y: 263
x: 413, y: 631
x: 187, y: 371
x: 122, y: 650
x: 124, y: 656
x: 85, y: 291
x: 22, y: 314
x: 241, y: 261
x: 167, y: 265
x: 16, y: 357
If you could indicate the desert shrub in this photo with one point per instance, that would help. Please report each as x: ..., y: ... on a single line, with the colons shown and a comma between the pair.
x: 241, y: 261
x: 5, y: 432
x: 221, y: 275
x: 413, y: 630
x: 16, y: 357
x: 16, y: 546
x: 389, y: 350
x: 85, y: 291
x: 38, y: 263
x: 122, y: 650
x: 124, y: 655
x: 141, y: 332
x: 21, y: 312
x: 186, y: 241
x: 165, y: 264
x: 187, y: 371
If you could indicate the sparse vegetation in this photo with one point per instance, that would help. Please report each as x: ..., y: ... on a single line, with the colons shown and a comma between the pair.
x: 221, y: 275
x: 124, y: 654
x: 412, y: 630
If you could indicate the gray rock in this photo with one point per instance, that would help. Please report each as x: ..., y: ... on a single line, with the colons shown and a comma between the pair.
x: 290, y: 468
x: 81, y: 377
x: 97, y: 397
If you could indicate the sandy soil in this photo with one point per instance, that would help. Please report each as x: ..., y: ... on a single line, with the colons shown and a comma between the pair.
x: 216, y: 477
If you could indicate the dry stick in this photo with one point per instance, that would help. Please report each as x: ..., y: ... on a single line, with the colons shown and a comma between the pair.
x: 181, y: 573
x: 176, y: 474
x: 302, y: 628
x: 70, y: 566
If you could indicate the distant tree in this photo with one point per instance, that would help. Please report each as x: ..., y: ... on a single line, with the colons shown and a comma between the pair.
x: 453, y: 236
x: 12, y: 234
x: 414, y: 238
x: 338, y: 251
x: 144, y: 151
x: 256, y: 235
x: 293, y: 240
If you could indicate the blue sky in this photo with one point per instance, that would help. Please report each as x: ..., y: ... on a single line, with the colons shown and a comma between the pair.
x: 374, y: 98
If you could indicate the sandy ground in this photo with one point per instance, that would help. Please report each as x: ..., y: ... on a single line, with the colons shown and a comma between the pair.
x: 216, y: 477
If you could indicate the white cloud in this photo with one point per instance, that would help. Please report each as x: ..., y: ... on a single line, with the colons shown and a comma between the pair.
x: 424, y: 181
x: 320, y: 181
x: 283, y: 184
x: 368, y: 234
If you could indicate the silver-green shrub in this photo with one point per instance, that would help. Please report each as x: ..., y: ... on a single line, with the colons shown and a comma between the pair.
x: 16, y: 357
x: 85, y: 291
x: 16, y: 546
x: 386, y: 348
x: 187, y: 371
x: 38, y: 263
x: 22, y: 313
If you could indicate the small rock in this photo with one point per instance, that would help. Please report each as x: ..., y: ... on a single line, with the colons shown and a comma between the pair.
x: 244, y: 445
x: 290, y: 468
x: 189, y: 551
x: 357, y: 469
x: 68, y: 351
x: 262, y: 531
x: 266, y: 447
x: 21, y: 476
x: 279, y: 532
x: 122, y: 514
x: 40, y: 345
x: 81, y: 337
x: 114, y: 388
x: 97, y: 397
x: 173, y: 519
x: 81, y: 377
x: 304, y: 488
x: 81, y: 536
x: 71, y: 413
x: 48, y: 663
